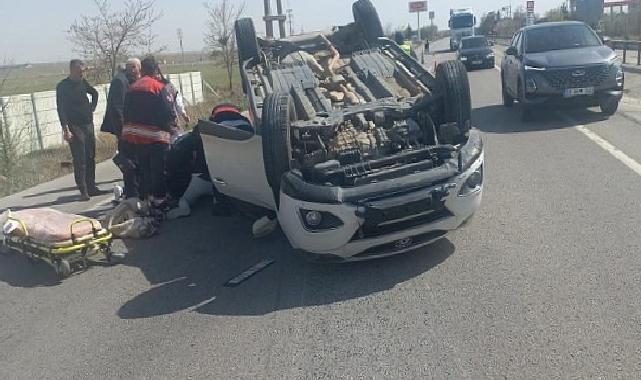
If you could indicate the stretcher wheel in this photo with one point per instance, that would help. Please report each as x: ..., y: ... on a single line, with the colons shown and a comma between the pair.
x: 63, y: 269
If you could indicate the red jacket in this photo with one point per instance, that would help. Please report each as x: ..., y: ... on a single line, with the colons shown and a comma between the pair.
x: 149, y: 112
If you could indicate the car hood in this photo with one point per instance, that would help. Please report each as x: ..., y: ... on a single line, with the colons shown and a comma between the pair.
x: 481, y: 50
x: 571, y: 57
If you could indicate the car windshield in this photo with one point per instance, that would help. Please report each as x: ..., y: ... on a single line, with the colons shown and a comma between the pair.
x: 471, y: 43
x: 463, y: 21
x: 559, y: 38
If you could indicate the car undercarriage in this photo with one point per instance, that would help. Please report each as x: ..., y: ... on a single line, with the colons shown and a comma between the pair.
x: 358, y: 110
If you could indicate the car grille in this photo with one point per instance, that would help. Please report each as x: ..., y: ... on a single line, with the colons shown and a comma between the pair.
x: 372, y: 231
x: 577, y: 77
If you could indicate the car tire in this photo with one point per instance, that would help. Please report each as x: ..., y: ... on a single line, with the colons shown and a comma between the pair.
x: 278, y: 113
x: 247, y: 45
x: 609, y: 107
x: 454, y: 87
x: 367, y: 19
x: 508, y: 100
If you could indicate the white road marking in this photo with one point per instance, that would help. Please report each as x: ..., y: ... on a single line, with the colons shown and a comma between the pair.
x: 608, y: 147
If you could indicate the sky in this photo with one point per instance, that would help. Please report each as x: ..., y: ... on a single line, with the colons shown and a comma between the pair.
x: 35, y: 30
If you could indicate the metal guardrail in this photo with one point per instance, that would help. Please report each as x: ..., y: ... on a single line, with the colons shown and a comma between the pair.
x: 627, y: 45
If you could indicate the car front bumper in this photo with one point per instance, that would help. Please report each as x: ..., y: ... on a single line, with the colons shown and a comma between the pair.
x: 361, y: 238
x: 485, y: 62
x: 541, y: 91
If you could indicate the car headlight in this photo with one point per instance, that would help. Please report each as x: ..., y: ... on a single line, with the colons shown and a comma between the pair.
x: 620, y: 76
x: 473, y: 184
x: 534, y: 68
x: 463, y: 58
x: 318, y: 221
x: 491, y: 55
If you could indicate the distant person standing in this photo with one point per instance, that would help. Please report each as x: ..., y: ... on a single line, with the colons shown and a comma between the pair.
x: 115, y: 119
x: 76, y: 117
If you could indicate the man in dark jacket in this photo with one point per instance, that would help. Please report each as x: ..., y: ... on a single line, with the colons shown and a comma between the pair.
x: 149, y: 114
x: 76, y: 117
x: 114, y: 114
x: 114, y: 120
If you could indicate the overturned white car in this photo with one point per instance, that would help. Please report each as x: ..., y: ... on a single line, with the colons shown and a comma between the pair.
x: 359, y: 150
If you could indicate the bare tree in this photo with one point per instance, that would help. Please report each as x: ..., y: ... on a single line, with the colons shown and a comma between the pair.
x: 220, y: 34
x: 111, y: 35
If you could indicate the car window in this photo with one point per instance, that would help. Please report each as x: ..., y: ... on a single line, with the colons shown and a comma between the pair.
x: 517, y: 42
x: 560, y: 37
x: 515, y: 39
x: 471, y: 43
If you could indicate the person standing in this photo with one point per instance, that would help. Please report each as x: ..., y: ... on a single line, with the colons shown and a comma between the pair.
x: 76, y: 117
x: 148, y: 117
x: 114, y: 121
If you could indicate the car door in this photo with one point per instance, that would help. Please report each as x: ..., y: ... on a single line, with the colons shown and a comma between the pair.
x: 235, y: 161
x: 512, y: 68
x: 518, y: 62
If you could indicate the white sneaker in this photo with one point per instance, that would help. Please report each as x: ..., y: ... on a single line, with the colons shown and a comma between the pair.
x: 182, y: 210
x: 264, y: 226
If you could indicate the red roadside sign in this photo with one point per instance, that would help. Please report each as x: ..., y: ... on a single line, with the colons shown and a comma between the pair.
x: 418, y: 6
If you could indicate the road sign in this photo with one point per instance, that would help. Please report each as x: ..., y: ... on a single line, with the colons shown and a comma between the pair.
x: 530, y: 6
x: 530, y: 12
x: 431, y: 15
x: 418, y: 6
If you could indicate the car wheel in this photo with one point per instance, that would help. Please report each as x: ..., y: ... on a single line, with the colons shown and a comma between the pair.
x: 508, y: 101
x: 278, y: 113
x: 609, y: 107
x: 247, y: 44
x: 367, y: 19
x: 454, y: 87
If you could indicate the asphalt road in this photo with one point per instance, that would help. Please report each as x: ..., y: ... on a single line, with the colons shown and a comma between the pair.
x: 543, y: 283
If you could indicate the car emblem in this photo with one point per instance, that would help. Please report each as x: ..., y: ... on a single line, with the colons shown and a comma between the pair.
x: 578, y: 73
x: 403, y: 243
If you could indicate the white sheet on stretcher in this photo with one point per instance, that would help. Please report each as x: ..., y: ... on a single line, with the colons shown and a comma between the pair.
x: 46, y: 225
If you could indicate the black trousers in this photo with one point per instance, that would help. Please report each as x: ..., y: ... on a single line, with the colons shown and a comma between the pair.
x: 151, y: 161
x: 126, y: 161
x: 83, y: 151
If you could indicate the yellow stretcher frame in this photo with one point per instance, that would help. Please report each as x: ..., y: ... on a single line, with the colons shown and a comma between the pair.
x: 66, y: 253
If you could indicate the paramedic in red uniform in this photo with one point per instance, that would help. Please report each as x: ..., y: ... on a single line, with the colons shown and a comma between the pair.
x: 149, y: 115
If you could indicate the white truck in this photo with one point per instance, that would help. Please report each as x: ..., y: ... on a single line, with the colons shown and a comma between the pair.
x: 462, y: 23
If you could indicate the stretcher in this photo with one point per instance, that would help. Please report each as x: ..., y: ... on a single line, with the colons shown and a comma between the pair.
x: 65, y: 241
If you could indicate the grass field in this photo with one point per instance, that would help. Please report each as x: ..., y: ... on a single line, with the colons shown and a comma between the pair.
x: 45, y: 77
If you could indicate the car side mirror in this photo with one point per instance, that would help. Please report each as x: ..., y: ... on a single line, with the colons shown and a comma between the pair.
x: 606, y: 40
x: 511, y: 51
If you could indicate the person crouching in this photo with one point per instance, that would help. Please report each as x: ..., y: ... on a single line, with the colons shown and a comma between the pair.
x: 149, y: 114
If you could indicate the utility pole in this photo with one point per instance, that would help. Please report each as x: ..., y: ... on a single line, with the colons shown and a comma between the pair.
x: 269, y: 19
x: 180, y: 39
x: 290, y: 20
x: 281, y: 18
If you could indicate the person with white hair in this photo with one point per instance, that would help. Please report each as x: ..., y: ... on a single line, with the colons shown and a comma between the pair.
x: 114, y: 120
